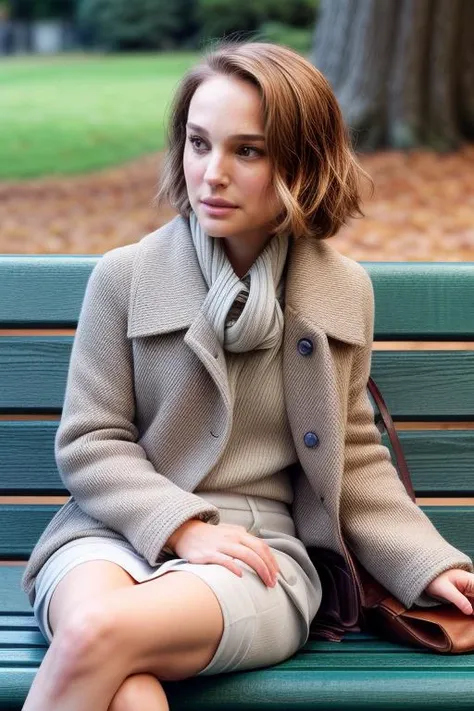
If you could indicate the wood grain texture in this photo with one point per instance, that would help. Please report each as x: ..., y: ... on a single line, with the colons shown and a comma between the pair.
x: 421, y: 385
x: 441, y: 462
x: 45, y: 291
x: 22, y: 524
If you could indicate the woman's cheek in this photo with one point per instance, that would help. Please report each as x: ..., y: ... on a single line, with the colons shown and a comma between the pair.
x: 269, y: 198
x: 256, y: 187
x: 191, y: 167
x: 192, y: 177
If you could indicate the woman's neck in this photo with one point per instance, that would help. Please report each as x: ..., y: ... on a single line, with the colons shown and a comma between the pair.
x: 242, y: 255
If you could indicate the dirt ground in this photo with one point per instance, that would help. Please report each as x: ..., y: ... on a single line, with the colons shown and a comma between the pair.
x: 422, y: 210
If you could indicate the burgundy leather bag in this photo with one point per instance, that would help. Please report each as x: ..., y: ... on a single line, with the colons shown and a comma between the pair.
x: 354, y: 600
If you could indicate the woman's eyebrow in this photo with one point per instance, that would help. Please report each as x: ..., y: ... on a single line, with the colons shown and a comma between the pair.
x: 239, y: 136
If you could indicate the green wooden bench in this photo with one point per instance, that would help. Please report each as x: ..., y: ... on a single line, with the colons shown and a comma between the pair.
x: 414, y: 302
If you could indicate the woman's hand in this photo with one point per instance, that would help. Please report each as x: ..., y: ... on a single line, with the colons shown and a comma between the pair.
x: 455, y: 586
x: 224, y: 544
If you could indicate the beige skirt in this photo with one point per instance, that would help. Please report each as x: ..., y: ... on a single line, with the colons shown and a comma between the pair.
x: 262, y: 625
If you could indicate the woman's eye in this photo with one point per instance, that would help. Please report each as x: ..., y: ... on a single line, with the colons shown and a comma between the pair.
x: 195, y: 140
x: 256, y: 152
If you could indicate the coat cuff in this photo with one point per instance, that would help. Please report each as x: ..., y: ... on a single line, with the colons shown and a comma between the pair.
x: 170, y: 517
x: 415, y: 594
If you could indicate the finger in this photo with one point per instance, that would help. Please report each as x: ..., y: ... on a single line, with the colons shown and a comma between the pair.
x: 453, y: 595
x: 253, y: 559
x: 262, y: 549
x: 227, y: 561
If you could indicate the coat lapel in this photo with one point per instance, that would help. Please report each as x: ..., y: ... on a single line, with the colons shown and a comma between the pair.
x: 167, y: 293
x: 327, y: 289
x: 168, y: 287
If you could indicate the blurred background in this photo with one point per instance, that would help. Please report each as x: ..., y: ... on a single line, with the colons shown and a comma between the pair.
x: 85, y: 87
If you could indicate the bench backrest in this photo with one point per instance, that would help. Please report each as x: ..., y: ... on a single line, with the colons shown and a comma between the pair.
x: 429, y: 392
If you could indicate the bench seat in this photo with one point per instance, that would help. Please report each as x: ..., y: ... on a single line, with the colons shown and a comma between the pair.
x: 430, y: 392
x: 362, y: 671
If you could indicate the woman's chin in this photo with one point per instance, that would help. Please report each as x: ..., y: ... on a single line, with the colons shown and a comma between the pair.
x: 217, y: 227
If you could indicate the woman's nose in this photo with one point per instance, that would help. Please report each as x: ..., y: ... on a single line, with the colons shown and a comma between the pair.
x: 216, y: 172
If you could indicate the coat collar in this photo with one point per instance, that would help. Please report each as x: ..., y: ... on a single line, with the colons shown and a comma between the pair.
x: 324, y: 288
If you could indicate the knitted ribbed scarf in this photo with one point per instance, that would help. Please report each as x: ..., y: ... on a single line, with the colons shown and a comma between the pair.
x: 260, y: 324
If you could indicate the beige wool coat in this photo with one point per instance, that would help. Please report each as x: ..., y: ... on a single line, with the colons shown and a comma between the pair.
x: 147, y: 414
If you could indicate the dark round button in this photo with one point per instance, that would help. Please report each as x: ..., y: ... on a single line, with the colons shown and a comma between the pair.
x: 305, y: 346
x: 311, y: 439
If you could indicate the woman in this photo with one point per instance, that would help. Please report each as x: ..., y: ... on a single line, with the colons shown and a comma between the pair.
x: 216, y: 420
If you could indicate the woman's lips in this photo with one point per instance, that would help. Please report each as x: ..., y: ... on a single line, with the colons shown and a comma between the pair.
x: 217, y: 210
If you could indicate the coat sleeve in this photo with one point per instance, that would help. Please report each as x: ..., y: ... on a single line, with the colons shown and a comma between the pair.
x: 97, y: 452
x: 392, y: 537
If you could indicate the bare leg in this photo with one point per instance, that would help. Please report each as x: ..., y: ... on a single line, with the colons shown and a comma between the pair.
x: 169, y: 627
x: 85, y: 582
x: 140, y: 692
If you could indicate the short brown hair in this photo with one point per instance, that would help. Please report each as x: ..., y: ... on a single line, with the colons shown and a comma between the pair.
x: 315, y: 173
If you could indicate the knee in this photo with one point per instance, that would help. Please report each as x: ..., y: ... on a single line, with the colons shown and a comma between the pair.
x: 85, y: 640
x: 139, y: 691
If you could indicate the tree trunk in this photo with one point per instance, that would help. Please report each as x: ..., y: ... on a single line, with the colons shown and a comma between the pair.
x: 402, y: 70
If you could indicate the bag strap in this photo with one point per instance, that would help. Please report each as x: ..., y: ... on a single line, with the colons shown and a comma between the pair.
x: 402, y: 466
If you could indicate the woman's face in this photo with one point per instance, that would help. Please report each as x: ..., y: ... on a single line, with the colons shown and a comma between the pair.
x: 225, y: 156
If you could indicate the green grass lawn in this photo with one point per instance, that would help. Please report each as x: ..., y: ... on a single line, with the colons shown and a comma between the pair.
x: 75, y: 114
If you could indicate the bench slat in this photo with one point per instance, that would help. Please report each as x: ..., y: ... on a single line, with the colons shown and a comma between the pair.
x: 13, y: 599
x: 443, y: 292
x: 29, y: 288
x: 428, y: 385
x: 16, y: 622
x: 377, y: 661
x: 27, y: 464
x: 388, y: 689
x: 18, y: 638
x: 441, y: 461
x: 21, y: 525
x: 15, y: 684
x: 391, y: 690
x: 34, y: 372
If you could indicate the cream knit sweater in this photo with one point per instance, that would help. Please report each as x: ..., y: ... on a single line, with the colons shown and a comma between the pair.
x: 260, y: 449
